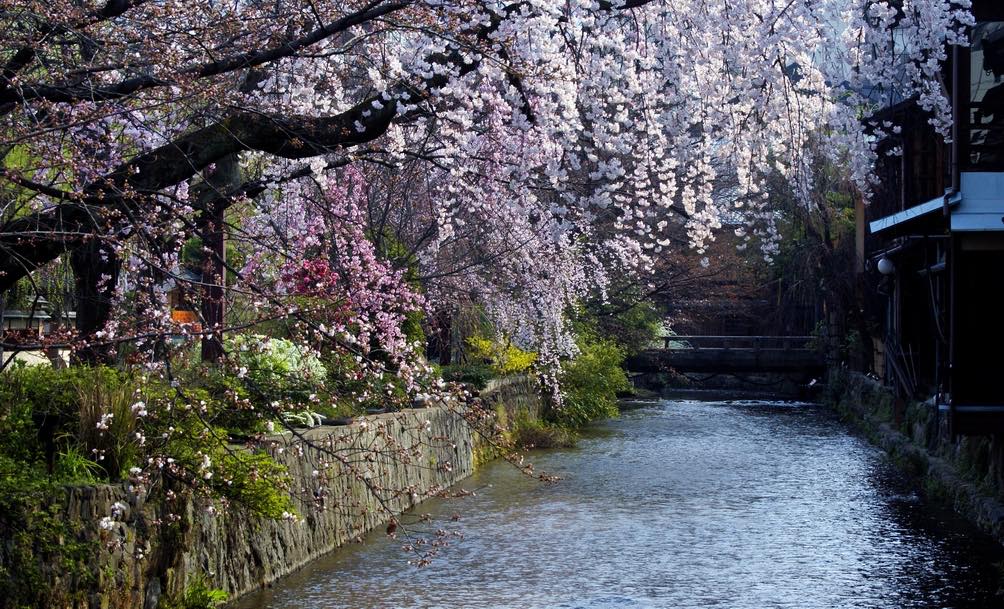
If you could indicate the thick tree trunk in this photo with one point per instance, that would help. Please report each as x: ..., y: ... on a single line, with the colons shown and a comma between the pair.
x: 95, y: 272
x: 444, y: 338
x: 214, y: 273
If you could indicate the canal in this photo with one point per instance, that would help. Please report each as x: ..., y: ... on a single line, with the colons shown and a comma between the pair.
x: 678, y: 504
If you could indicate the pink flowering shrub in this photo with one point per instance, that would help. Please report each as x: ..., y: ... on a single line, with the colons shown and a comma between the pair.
x: 311, y: 278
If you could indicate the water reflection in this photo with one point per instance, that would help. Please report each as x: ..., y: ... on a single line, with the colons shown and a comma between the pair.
x: 677, y: 505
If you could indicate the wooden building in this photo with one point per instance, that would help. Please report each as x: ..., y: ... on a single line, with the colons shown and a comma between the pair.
x: 183, y: 307
x: 934, y: 244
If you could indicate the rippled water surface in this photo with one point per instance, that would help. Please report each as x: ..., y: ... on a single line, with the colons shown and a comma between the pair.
x: 675, y: 505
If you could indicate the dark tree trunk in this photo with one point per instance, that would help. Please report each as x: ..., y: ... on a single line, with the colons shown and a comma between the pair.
x: 95, y: 273
x: 212, y: 221
x: 446, y: 339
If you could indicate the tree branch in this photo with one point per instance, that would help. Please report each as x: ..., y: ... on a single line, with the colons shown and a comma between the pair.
x: 27, y: 247
x: 68, y: 94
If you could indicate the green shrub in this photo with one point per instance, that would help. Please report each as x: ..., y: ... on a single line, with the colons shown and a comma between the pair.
x: 590, y: 383
x: 504, y: 357
x: 477, y: 375
x: 412, y: 327
x: 276, y: 368
x: 50, y: 418
x: 633, y: 328
x: 74, y: 467
x: 107, y: 424
x: 45, y: 412
x: 252, y: 479
x: 531, y: 432
x: 235, y: 407
x: 347, y: 383
x: 37, y: 539
x: 198, y: 595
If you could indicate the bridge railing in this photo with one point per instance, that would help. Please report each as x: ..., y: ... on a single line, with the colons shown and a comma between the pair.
x: 755, y: 343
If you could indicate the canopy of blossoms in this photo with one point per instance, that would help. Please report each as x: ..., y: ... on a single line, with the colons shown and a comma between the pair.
x: 528, y: 150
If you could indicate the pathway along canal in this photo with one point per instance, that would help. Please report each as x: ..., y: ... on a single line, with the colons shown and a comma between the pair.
x: 679, y: 504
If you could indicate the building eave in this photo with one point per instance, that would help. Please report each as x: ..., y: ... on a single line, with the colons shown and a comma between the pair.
x: 914, y: 212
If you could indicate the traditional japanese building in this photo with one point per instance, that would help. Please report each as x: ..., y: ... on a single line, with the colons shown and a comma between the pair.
x: 933, y: 244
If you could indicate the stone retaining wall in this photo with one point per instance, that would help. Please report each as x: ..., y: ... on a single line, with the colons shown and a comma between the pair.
x: 967, y: 472
x: 358, y: 477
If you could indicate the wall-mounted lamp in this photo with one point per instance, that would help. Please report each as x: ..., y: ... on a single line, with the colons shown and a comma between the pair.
x: 885, y: 266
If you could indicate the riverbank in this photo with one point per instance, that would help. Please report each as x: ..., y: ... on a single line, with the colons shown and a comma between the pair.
x: 966, y: 472
x: 347, y: 480
x: 131, y: 552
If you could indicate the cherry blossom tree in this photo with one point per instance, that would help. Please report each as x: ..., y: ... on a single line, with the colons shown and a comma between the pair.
x: 579, y: 128
x: 518, y: 155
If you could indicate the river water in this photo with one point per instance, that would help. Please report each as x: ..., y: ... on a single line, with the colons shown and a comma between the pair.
x: 678, y: 504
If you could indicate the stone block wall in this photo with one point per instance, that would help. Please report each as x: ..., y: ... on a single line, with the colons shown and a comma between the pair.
x: 347, y: 479
x: 965, y: 471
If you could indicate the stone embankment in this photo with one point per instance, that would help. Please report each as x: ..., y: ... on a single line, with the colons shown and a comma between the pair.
x: 347, y: 480
x: 967, y: 472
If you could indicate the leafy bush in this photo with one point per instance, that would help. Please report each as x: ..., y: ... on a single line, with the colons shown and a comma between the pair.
x: 107, y: 424
x: 477, y: 375
x: 276, y: 368
x: 251, y: 479
x: 629, y: 319
x: 531, y: 432
x: 351, y: 390
x: 74, y: 467
x: 590, y: 383
x: 37, y: 538
x: 412, y: 327
x: 46, y: 412
x: 505, y: 358
x: 78, y: 425
x: 233, y: 405
x: 198, y: 595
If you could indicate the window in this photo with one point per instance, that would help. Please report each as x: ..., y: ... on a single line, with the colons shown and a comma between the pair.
x: 986, y: 97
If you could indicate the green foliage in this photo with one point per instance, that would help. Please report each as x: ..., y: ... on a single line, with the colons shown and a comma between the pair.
x: 632, y: 322
x: 346, y: 382
x: 198, y: 595
x: 50, y: 418
x: 251, y: 479
x: 193, y: 257
x: 233, y: 407
x: 477, y: 375
x: 412, y: 327
x: 191, y: 254
x: 52, y: 391
x: 17, y: 159
x: 107, y: 423
x: 36, y: 537
x: 19, y: 440
x: 633, y: 328
x: 53, y: 415
x: 46, y: 412
x: 531, y: 432
x: 590, y: 382
x: 276, y: 368
x: 504, y: 357
x: 73, y: 467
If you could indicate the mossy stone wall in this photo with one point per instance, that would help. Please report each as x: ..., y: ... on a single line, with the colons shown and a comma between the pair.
x: 965, y: 471
x: 154, y: 551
